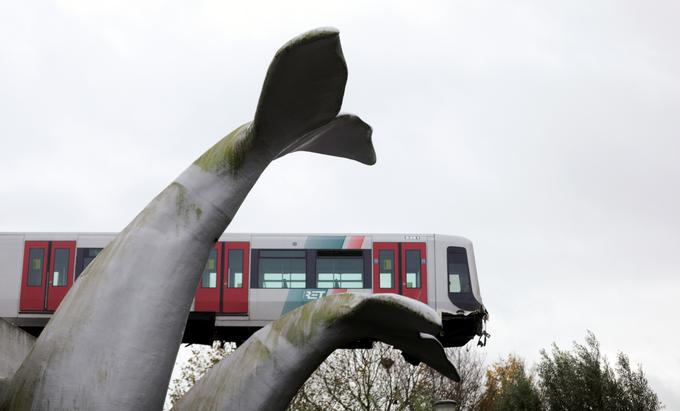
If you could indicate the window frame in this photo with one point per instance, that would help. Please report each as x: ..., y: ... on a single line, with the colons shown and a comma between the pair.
x: 82, y: 255
x: 257, y: 257
x: 310, y: 266
x: 232, y: 280
x: 217, y: 271
x: 464, y: 299
x: 347, y: 254
x: 393, y: 277
x: 63, y: 279
x: 419, y: 273
x: 43, y: 259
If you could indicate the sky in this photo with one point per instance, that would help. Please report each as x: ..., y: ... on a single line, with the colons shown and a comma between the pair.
x: 546, y: 132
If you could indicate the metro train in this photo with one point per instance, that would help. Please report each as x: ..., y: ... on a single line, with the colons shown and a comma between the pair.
x: 250, y: 280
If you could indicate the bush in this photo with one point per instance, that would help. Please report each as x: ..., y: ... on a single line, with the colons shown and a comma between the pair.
x: 583, y: 380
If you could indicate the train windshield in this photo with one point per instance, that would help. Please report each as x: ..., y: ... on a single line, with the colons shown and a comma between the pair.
x: 459, y: 271
x: 458, y: 275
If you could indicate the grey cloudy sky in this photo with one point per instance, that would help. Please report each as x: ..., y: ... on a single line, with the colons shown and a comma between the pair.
x: 546, y: 132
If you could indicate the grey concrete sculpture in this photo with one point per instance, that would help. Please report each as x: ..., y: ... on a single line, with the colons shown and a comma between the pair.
x: 15, y: 344
x: 267, y: 370
x: 113, y: 341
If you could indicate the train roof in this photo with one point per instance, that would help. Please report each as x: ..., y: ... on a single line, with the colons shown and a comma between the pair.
x: 227, y: 235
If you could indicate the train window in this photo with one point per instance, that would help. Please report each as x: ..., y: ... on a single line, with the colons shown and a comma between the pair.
x: 84, y: 257
x: 386, y: 261
x: 60, y: 269
x: 36, y: 259
x: 459, y: 285
x: 458, y: 271
x: 282, y: 269
x: 209, y: 276
x: 413, y: 268
x: 340, y: 269
x: 282, y: 253
x: 235, y: 268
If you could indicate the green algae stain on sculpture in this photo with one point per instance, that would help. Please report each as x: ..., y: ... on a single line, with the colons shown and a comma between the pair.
x: 183, y: 207
x: 181, y: 202
x: 229, y: 153
x: 301, y: 325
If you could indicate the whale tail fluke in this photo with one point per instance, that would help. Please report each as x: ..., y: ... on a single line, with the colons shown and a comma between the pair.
x: 345, y: 136
x: 281, y: 356
x: 301, y: 97
x: 298, y: 109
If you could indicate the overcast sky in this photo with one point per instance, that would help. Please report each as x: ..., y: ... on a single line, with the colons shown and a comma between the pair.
x: 545, y: 132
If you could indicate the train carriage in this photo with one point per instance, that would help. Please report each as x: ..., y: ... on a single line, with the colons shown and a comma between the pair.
x: 250, y: 280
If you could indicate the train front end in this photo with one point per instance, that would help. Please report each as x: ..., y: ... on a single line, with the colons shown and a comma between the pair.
x: 458, y: 298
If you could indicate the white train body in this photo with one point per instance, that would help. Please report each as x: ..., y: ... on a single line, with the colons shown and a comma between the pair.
x: 252, y: 279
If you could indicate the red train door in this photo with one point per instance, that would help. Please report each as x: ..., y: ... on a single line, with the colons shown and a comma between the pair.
x: 414, y: 271
x: 47, y: 274
x: 60, y: 274
x: 400, y: 268
x: 208, y: 291
x: 236, y: 278
x: 385, y: 268
x: 33, y: 282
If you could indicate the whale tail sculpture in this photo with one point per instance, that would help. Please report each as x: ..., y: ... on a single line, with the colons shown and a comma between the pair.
x: 112, y: 342
x: 268, y: 369
x: 298, y: 109
x: 301, y: 96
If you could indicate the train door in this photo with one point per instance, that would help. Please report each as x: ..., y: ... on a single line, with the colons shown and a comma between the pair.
x: 47, y: 274
x: 208, y: 291
x: 400, y: 268
x: 236, y: 278
x: 33, y: 280
x: 60, y: 275
x: 385, y: 268
x: 414, y: 271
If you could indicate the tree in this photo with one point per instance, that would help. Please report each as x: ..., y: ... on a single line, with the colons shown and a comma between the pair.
x: 635, y: 390
x: 583, y: 380
x: 380, y: 379
x: 361, y: 379
x: 201, y: 360
x: 508, y: 387
x: 468, y: 393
